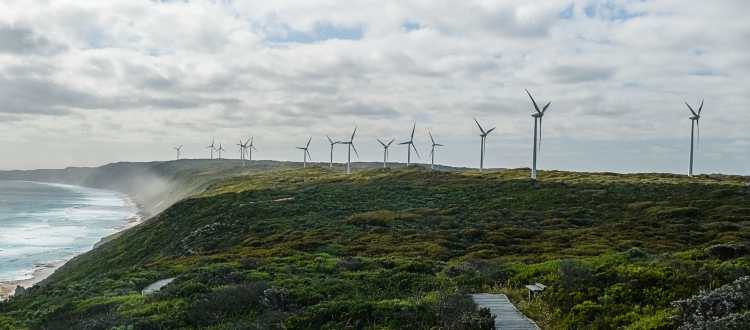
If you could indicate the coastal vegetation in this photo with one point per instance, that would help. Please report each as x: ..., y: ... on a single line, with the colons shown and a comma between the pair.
x: 402, y: 248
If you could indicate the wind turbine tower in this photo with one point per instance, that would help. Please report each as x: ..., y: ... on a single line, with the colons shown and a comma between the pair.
x: 305, y: 153
x: 410, y: 144
x: 178, y: 151
x: 432, y: 153
x: 538, y: 115
x: 332, y: 143
x: 349, y: 157
x: 481, y: 150
x: 212, y: 148
x: 695, y: 122
x: 385, y: 152
x: 220, y: 150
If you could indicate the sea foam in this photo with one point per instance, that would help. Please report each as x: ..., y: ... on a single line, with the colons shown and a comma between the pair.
x: 43, y: 223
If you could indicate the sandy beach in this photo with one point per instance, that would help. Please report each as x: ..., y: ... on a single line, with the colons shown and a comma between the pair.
x: 8, y: 288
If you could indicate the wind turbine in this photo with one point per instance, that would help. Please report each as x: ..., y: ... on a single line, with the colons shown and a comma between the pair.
x: 305, y: 153
x: 212, y: 148
x: 385, y: 152
x: 537, y: 115
x: 695, y: 122
x: 332, y: 143
x: 432, y: 166
x: 249, y: 148
x: 410, y: 143
x: 349, y: 157
x: 481, y: 150
x: 178, y: 151
x: 243, y: 148
x: 220, y: 150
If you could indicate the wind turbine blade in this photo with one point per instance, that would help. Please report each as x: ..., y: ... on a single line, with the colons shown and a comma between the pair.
x: 480, y: 126
x: 412, y: 131
x: 698, y: 123
x: 545, y: 107
x: 431, y: 151
x: 488, y: 132
x: 329, y: 138
x: 308, y: 142
x: 381, y: 142
x: 415, y: 150
x: 407, y: 142
x: 691, y: 109
x: 251, y: 139
x: 532, y: 101
x: 254, y: 147
x: 389, y: 143
x: 355, y: 150
x: 308, y: 154
x: 179, y: 147
x: 439, y: 145
x: 699, y: 109
x: 300, y: 148
x: 355, y: 132
x: 248, y: 140
x: 433, y: 140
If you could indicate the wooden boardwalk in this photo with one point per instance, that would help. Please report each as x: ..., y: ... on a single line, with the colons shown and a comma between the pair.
x: 508, y: 317
x: 156, y: 286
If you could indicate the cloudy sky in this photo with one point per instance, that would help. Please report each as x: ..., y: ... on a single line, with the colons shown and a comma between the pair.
x: 85, y: 83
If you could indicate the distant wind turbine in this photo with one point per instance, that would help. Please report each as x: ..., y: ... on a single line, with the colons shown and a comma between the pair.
x: 432, y: 166
x: 537, y: 115
x: 409, y: 144
x: 243, y: 150
x: 178, y: 151
x: 481, y: 150
x: 220, y: 150
x: 250, y: 148
x: 305, y: 153
x: 385, y: 151
x: 212, y: 148
x: 695, y: 122
x: 349, y: 157
x: 332, y: 143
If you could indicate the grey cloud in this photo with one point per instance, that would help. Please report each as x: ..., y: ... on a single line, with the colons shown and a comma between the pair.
x: 578, y: 74
x: 14, y: 40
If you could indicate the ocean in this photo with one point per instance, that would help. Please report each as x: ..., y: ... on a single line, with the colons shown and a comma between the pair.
x: 42, y: 223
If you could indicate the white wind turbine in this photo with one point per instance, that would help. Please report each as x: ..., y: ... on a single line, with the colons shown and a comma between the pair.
x: 305, y: 153
x: 243, y: 149
x: 220, y: 150
x: 249, y: 148
x: 385, y: 152
x: 537, y: 115
x: 432, y: 153
x: 695, y: 122
x: 178, y: 151
x: 332, y: 143
x: 212, y: 148
x: 481, y: 150
x: 349, y: 157
x: 410, y: 144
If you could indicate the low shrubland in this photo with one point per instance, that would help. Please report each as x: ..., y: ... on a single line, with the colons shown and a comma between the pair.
x: 403, y: 248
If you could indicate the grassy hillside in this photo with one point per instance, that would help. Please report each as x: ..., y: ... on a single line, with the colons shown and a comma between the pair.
x: 155, y: 186
x: 400, y: 248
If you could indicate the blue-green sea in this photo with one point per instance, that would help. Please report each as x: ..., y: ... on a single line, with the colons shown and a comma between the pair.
x: 43, y: 223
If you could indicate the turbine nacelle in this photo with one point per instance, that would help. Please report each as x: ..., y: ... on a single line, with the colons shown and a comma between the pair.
x: 695, y: 117
x: 537, y: 114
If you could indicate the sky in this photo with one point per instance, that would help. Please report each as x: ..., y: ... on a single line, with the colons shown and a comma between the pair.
x: 86, y: 83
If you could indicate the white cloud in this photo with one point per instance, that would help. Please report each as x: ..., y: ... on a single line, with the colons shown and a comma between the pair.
x: 143, y: 71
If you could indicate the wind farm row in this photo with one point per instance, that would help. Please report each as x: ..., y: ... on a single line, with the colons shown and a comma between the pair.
x: 245, y: 149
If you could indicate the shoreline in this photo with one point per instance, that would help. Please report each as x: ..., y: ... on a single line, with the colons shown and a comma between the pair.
x: 41, y: 272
